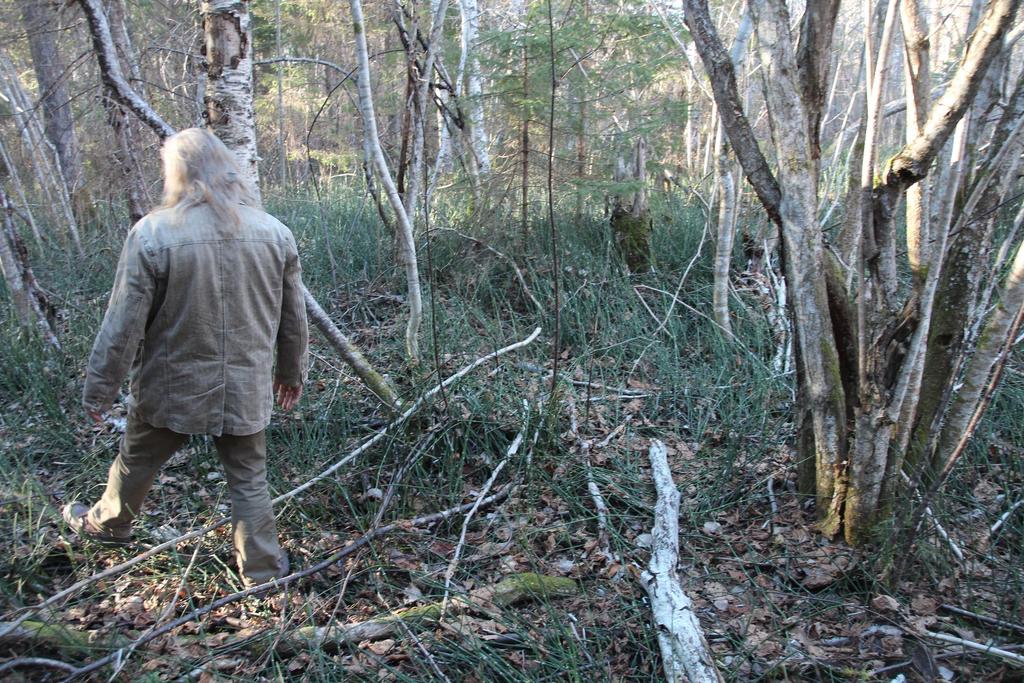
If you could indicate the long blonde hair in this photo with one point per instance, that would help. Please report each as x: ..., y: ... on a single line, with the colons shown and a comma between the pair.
x: 199, y: 169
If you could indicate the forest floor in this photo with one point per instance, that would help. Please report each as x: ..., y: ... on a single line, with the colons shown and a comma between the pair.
x: 777, y: 601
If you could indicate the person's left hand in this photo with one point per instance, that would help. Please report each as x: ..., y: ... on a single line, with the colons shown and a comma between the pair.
x: 287, y: 395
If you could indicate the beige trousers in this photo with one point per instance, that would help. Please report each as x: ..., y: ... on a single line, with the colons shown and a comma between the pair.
x: 145, y: 448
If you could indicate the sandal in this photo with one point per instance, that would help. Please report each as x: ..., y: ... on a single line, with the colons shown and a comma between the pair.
x: 76, y: 517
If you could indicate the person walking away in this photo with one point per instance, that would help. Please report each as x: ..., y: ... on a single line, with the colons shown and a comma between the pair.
x: 207, y: 287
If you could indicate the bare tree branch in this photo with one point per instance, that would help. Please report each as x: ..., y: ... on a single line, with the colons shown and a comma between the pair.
x: 722, y: 75
x: 912, y: 162
x: 110, y: 70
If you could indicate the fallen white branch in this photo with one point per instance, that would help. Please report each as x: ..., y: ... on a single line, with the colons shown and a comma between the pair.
x: 1005, y: 516
x: 391, y: 426
x: 980, y: 647
x: 684, y: 650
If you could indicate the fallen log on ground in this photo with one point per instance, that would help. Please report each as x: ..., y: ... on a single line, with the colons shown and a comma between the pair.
x: 510, y: 590
x: 67, y: 641
x: 348, y: 352
x: 684, y: 651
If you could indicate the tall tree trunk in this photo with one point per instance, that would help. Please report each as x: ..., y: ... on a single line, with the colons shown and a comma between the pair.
x: 870, y: 395
x: 474, y: 102
x: 282, y: 154
x: 723, y: 245
x: 631, y: 219
x: 524, y: 148
x: 42, y: 154
x: 406, y: 239
x: 917, y: 69
x: 229, y: 85
x: 40, y: 20
x: 126, y: 152
x: 727, y: 195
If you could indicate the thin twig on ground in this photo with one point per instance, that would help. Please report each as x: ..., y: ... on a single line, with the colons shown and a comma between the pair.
x: 991, y: 621
x: 774, y: 505
x: 20, y: 662
x: 1005, y: 516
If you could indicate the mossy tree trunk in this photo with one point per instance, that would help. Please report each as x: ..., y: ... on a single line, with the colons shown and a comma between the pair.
x: 631, y: 218
x: 859, y: 406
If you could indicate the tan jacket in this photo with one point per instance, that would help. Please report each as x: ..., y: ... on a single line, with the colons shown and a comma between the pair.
x: 196, y: 312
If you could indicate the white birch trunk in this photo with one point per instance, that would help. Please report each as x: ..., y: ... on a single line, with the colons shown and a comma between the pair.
x: 473, y: 103
x: 917, y: 71
x: 993, y: 339
x: 685, y: 654
x: 110, y: 69
x: 229, y: 85
x: 406, y: 239
x: 727, y: 195
x: 417, y: 167
x: 442, y: 163
x: 20, y: 189
x: 723, y: 246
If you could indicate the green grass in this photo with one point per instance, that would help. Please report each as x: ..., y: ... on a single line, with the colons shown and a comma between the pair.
x: 702, y: 390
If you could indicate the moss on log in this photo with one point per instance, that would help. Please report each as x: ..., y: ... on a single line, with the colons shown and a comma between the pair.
x: 510, y: 590
x: 67, y: 641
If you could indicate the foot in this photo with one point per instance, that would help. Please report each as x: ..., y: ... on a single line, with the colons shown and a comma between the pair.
x: 76, y: 516
x: 283, y: 569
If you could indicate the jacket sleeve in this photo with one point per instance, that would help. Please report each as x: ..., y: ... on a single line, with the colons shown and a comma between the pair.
x: 123, y: 327
x: 292, y: 333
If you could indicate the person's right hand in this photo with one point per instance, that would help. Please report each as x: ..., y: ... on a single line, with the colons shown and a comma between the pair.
x: 287, y: 395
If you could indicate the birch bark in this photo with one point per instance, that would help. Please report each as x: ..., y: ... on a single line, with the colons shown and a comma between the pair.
x: 470, y: 13
x: 684, y: 650
x: 229, y: 85
x: 406, y: 239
